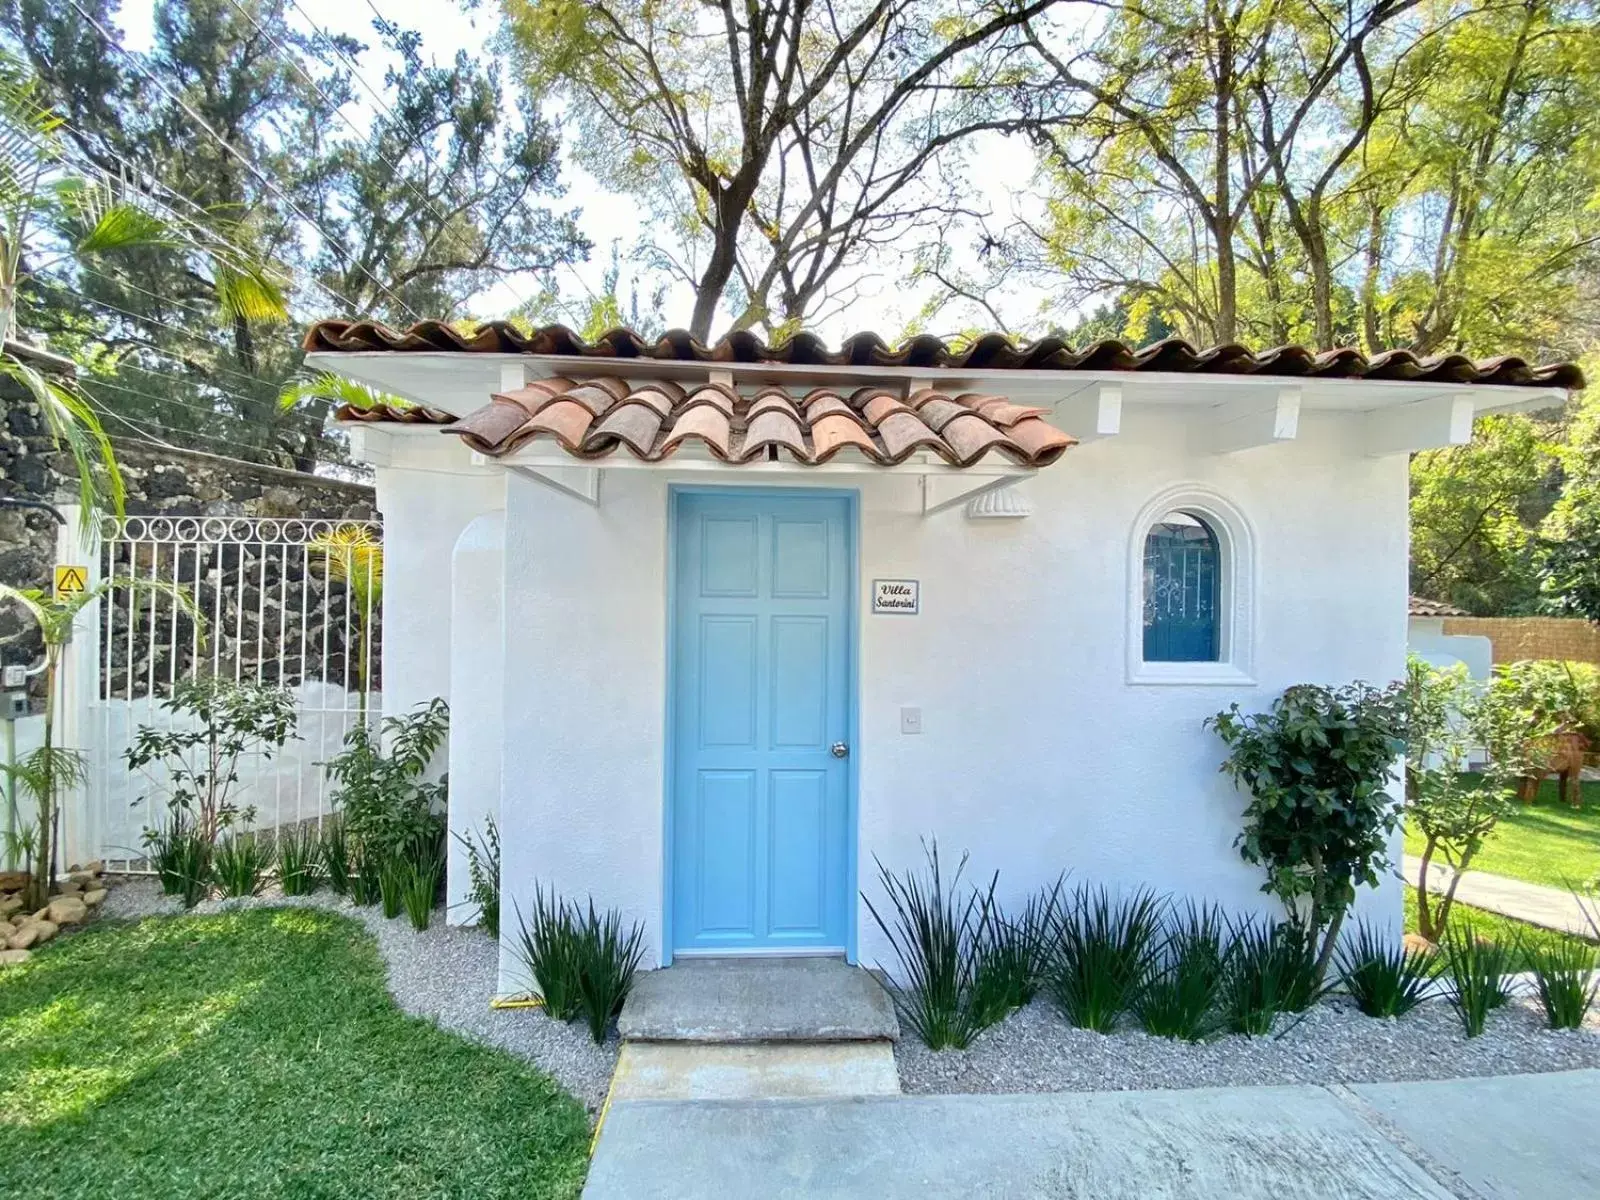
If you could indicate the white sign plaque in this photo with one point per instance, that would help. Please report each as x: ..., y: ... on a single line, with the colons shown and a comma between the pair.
x: 900, y: 596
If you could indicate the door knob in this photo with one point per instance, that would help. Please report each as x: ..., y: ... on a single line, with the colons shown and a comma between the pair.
x: 839, y: 750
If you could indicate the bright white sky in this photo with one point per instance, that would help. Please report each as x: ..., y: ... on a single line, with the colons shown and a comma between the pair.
x: 605, y: 216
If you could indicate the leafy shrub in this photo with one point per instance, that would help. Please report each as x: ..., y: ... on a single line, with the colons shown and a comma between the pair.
x: 213, y: 724
x: 393, y: 874
x: 1316, y: 766
x: 1271, y: 969
x: 1478, y: 972
x: 334, y: 854
x: 386, y: 803
x: 608, y: 959
x: 181, y: 858
x: 935, y: 936
x: 298, y: 853
x: 483, y: 873
x: 1104, y: 951
x: 1564, y: 977
x: 548, y: 951
x: 240, y: 864
x: 419, y: 891
x: 1013, y: 954
x: 1383, y: 976
x: 1179, y: 1000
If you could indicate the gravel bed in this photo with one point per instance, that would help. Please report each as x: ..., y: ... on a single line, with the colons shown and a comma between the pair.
x: 1036, y: 1050
x: 444, y: 974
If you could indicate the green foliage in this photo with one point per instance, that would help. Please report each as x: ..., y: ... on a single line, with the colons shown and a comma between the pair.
x: 935, y: 934
x: 1316, y: 766
x: 181, y: 856
x: 1180, y: 997
x: 213, y: 723
x: 334, y: 854
x: 1105, y: 950
x: 1383, y: 976
x: 387, y: 804
x: 419, y: 890
x: 298, y: 852
x: 483, y: 874
x: 366, y: 876
x: 1565, y: 980
x: 238, y: 1052
x: 582, y: 961
x: 1551, y: 696
x: 1012, y: 954
x: 394, y: 873
x: 1448, y: 719
x: 240, y: 864
x: 1271, y: 969
x: 1477, y: 970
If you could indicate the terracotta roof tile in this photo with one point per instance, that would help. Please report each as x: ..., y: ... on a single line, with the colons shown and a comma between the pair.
x: 990, y: 352
x: 653, y: 421
x: 1420, y: 607
x: 394, y: 414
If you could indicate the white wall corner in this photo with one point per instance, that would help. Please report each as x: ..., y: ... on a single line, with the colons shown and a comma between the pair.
x: 1443, y: 420
x: 513, y: 375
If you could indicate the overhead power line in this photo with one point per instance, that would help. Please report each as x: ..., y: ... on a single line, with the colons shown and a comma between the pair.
x: 250, y: 166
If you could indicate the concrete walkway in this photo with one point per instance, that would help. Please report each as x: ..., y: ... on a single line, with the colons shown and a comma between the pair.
x: 1468, y: 1139
x: 1551, y: 908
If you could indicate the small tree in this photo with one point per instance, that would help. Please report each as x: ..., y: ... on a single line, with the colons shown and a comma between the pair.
x: 1453, y: 809
x: 50, y: 772
x: 1317, y: 766
x: 389, y: 806
x: 215, y: 723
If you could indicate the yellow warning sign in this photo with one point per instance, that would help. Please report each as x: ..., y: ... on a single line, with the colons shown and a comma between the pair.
x: 70, y: 580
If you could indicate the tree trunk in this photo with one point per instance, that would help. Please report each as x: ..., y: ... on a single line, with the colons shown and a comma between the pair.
x: 1425, y: 925
x: 1330, y: 942
x: 44, y: 864
x: 1369, y: 281
x: 714, y: 279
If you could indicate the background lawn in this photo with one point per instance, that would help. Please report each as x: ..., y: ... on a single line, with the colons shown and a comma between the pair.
x: 257, y: 1054
x: 1508, y: 932
x: 1543, y: 842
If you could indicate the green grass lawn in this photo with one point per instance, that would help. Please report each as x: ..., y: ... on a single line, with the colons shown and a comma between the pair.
x: 257, y: 1054
x: 1508, y: 932
x: 1543, y: 842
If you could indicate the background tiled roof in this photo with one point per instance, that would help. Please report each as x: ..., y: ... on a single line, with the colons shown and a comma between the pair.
x: 1419, y: 607
x: 991, y: 351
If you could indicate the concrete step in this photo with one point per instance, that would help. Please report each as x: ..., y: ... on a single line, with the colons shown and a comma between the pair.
x: 754, y: 1071
x: 735, y: 1000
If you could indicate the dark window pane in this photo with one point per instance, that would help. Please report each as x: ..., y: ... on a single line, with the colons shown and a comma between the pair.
x: 1182, y: 591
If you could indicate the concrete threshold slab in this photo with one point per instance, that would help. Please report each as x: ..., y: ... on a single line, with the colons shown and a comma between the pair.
x: 760, y: 1071
x: 1267, y: 1143
x: 758, y: 1000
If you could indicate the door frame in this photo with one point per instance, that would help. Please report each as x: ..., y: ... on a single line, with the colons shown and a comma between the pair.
x: 852, y: 499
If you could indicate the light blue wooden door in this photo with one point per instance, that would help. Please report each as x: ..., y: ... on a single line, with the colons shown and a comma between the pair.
x: 760, y: 712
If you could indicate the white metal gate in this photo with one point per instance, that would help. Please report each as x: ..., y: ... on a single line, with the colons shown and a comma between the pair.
x: 283, y: 602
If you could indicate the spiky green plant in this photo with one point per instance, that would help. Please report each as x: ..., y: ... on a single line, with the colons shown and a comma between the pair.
x: 1383, y: 976
x: 181, y: 856
x: 608, y: 958
x: 1105, y: 949
x: 1180, y: 998
x: 1565, y: 979
x: 334, y: 854
x: 1271, y: 970
x: 393, y: 873
x: 298, y: 852
x: 547, y: 948
x: 934, y: 934
x: 240, y: 864
x: 1013, y: 954
x: 1477, y: 970
x: 419, y: 890
x: 366, y: 873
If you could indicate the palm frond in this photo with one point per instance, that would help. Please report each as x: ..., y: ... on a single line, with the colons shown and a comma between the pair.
x: 353, y: 555
x: 102, y: 219
x: 72, y: 423
x: 336, y: 390
x: 247, y: 292
x: 45, y: 768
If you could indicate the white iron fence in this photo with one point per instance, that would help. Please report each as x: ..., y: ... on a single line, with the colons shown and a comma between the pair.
x: 286, y: 603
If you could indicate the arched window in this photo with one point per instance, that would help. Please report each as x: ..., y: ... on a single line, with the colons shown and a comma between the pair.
x: 1182, y: 590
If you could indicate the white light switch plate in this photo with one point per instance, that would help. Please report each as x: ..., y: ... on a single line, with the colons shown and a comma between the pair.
x: 910, y: 720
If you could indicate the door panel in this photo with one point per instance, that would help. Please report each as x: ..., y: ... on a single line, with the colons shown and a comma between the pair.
x: 761, y: 666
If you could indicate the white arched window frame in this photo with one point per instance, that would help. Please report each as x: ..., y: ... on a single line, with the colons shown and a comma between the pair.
x: 1236, y: 592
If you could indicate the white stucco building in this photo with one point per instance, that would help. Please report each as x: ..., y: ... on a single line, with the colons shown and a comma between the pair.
x: 707, y: 680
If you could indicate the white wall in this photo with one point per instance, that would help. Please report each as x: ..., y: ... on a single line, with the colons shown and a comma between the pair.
x: 1426, y: 638
x: 1037, y: 755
